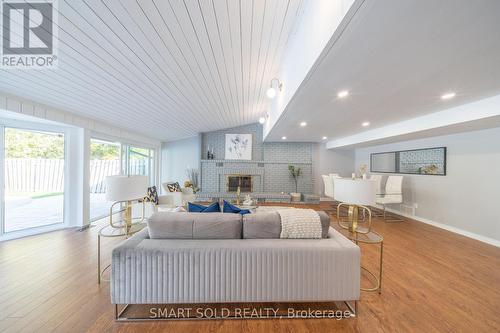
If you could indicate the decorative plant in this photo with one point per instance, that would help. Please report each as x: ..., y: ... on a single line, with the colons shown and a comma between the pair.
x: 192, y: 175
x: 295, y: 172
x: 431, y: 169
x: 362, y: 169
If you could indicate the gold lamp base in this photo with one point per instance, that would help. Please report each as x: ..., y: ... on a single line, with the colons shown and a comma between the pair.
x: 353, y: 221
x: 362, y: 234
x: 128, y: 221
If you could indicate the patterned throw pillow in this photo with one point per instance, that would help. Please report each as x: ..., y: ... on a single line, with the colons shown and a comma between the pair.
x: 174, y: 187
x: 152, y: 195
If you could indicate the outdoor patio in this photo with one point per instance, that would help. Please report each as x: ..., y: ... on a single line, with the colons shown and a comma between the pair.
x: 22, y: 212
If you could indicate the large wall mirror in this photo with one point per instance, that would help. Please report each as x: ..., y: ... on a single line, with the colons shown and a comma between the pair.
x: 429, y: 161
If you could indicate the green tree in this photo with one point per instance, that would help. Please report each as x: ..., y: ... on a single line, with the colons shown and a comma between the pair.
x: 104, y: 151
x: 32, y: 144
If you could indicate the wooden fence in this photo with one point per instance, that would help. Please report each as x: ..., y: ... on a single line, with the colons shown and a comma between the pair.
x: 47, y: 175
x: 99, y: 169
x: 34, y: 175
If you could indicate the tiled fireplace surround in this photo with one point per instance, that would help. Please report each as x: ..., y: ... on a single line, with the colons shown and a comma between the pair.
x: 268, y: 167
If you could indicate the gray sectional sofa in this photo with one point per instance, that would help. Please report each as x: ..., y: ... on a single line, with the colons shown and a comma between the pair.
x: 222, y: 258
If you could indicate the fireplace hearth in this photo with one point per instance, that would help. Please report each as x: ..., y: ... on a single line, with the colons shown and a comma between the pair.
x: 243, y: 181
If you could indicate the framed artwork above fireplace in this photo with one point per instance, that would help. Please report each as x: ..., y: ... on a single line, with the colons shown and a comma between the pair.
x: 238, y: 147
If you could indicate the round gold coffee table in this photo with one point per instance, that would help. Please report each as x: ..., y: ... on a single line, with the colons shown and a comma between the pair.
x: 118, y: 230
x: 371, y: 237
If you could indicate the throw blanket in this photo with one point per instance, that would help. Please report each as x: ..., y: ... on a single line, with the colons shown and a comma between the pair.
x: 299, y: 223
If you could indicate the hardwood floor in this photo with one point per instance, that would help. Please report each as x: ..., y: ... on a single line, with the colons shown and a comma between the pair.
x: 434, y: 281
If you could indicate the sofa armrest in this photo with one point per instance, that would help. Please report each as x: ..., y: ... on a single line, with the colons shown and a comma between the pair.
x: 131, y: 243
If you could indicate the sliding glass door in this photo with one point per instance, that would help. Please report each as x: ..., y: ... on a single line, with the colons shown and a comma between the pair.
x: 104, y: 161
x: 34, y: 168
x: 109, y: 158
x: 139, y: 161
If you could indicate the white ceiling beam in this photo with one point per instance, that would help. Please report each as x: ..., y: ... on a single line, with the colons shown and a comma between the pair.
x: 463, y: 114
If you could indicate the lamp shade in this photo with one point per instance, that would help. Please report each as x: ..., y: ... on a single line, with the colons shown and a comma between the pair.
x: 356, y: 192
x: 124, y: 188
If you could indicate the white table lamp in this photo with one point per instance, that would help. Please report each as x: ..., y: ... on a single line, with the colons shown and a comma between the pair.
x: 125, y: 189
x: 355, y: 193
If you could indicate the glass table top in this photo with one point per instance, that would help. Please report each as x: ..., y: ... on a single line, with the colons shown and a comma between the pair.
x: 371, y: 237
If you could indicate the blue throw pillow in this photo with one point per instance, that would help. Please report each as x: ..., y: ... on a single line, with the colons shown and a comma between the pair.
x: 228, y: 208
x: 195, y: 208
x: 212, y: 208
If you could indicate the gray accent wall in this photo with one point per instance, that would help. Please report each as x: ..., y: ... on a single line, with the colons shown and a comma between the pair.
x: 269, y: 164
x: 466, y: 199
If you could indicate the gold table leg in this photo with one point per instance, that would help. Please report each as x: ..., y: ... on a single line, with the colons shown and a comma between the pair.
x: 98, y: 258
x: 378, y: 284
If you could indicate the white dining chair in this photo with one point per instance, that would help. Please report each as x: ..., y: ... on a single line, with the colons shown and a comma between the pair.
x: 334, y: 175
x: 328, y: 182
x: 393, y: 194
x: 378, y: 182
x: 329, y: 191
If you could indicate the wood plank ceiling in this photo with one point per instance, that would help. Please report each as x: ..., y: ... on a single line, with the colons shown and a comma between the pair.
x: 167, y: 69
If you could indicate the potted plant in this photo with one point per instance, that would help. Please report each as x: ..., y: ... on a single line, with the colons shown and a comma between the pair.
x: 192, y: 182
x: 295, y: 172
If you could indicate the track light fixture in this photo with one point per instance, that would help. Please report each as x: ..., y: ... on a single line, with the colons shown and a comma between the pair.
x: 271, y: 92
x: 263, y: 119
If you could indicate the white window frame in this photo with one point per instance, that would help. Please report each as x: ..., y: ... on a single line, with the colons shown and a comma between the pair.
x: 123, y: 142
x: 32, y: 126
x: 98, y: 137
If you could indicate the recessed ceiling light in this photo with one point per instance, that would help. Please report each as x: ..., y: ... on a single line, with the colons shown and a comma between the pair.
x: 324, y: 138
x: 342, y: 94
x: 365, y: 124
x: 303, y: 124
x: 262, y: 120
x: 283, y: 138
x: 448, y: 95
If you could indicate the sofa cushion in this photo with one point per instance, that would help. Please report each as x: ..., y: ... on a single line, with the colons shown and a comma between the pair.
x: 170, y: 225
x: 262, y: 225
x: 196, y: 208
x: 167, y: 225
x: 268, y: 225
x: 217, y: 226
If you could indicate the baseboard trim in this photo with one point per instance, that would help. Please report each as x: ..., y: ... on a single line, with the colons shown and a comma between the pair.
x: 484, y: 239
x: 34, y: 231
x: 83, y: 228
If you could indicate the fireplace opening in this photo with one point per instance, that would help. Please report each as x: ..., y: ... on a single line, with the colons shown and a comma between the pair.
x: 243, y: 181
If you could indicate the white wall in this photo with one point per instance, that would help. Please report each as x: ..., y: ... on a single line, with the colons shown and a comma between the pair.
x: 328, y: 161
x: 466, y: 199
x: 177, y: 156
x: 320, y: 19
